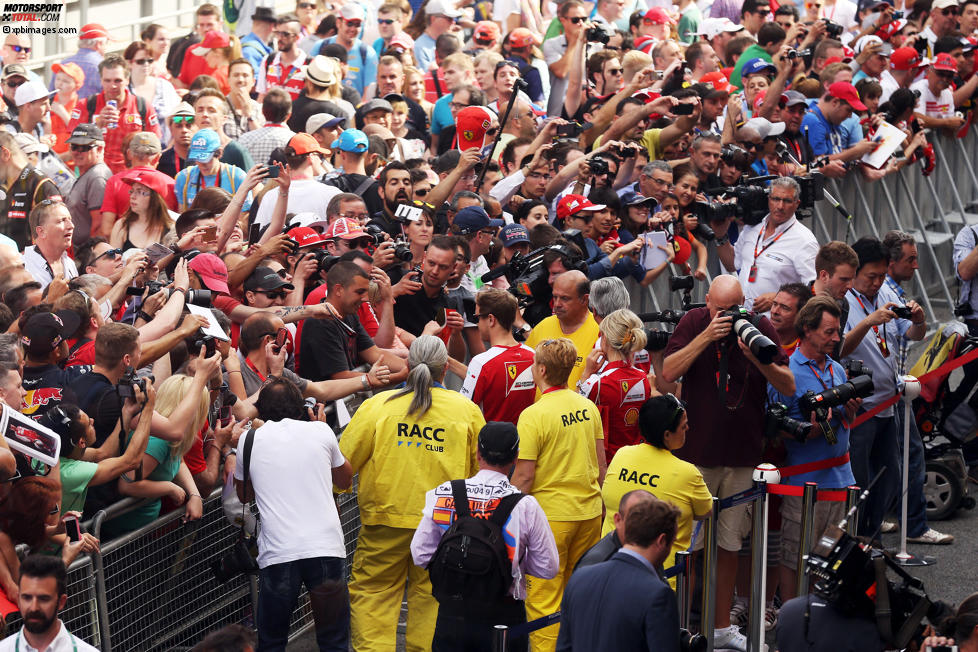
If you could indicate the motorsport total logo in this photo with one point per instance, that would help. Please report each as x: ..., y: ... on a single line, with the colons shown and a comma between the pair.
x: 14, y: 12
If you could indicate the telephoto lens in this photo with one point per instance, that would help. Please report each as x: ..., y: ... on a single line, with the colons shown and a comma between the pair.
x: 776, y: 420
x: 761, y: 346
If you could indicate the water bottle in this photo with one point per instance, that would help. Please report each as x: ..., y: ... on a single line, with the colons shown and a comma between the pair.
x: 113, y: 104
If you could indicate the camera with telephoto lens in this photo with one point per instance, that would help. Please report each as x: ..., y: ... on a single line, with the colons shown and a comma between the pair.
x: 657, y: 340
x: 776, y: 420
x: 703, y: 232
x: 201, y: 298
x: 856, y: 387
x: 689, y: 642
x: 132, y: 379
x: 761, y: 346
x: 713, y: 211
x: 902, y: 312
x: 856, y: 368
x: 750, y: 203
x: 597, y: 33
x: 832, y: 28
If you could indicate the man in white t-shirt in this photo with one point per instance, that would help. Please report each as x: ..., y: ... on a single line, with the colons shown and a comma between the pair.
x: 306, y: 193
x: 935, y: 108
x: 292, y: 465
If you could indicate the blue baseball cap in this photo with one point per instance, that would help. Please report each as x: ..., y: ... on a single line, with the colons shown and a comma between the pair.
x: 632, y: 198
x: 513, y: 234
x: 205, y: 142
x: 757, y: 66
x: 351, y: 140
x: 471, y: 219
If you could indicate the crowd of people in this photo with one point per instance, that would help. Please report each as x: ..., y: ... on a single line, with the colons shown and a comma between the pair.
x: 444, y: 209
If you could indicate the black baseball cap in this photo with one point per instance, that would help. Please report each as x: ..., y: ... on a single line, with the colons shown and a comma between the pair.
x: 44, y: 331
x: 264, y: 278
x: 499, y: 437
x: 86, y: 133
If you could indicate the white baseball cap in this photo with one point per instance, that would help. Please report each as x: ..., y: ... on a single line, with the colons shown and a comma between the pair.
x: 30, y: 91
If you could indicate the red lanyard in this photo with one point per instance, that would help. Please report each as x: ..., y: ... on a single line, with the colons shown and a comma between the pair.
x: 553, y: 389
x: 752, y: 275
x: 880, y: 341
x: 251, y: 365
x: 815, y: 371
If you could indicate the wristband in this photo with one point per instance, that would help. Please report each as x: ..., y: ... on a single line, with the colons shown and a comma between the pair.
x: 195, y: 496
x: 145, y: 316
x: 180, y: 290
x: 365, y: 380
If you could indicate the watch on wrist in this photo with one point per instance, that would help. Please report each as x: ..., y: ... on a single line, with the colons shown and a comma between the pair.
x: 365, y: 380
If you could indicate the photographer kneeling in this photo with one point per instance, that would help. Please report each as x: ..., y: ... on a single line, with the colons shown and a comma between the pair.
x: 293, y: 462
x: 810, y: 438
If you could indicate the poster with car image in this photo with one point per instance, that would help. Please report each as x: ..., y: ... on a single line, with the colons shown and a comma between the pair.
x: 29, y: 438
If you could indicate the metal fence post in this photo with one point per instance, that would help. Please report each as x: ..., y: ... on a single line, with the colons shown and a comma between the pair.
x: 683, y: 588
x: 101, y: 599
x: 805, y: 540
x: 852, y: 496
x: 499, y: 636
x: 708, y: 609
x: 758, y: 571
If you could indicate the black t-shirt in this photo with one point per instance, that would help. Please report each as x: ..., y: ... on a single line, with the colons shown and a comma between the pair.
x: 353, y: 182
x: 304, y: 108
x: 413, y: 311
x: 827, y: 628
x: 329, y: 346
x: 170, y: 164
x: 101, y: 402
x: 46, y: 386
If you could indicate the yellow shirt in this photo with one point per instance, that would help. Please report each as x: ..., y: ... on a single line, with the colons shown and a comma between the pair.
x: 665, y: 476
x: 400, y: 457
x: 649, y: 140
x: 583, y: 339
x: 559, y: 432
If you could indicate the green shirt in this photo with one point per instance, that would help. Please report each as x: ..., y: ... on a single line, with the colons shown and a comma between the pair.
x: 165, y: 471
x: 75, y: 476
x: 753, y: 52
x: 689, y: 24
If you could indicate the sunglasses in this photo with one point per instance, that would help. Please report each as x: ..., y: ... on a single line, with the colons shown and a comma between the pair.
x: 112, y: 253
x: 142, y: 62
x: 353, y: 23
x: 19, y: 48
x: 950, y: 11
x: 82, y: 148
x: 274, y: 294
x: 423, y: 192
x: 678, y: 406
x: 504, y: 63
x: 746, y: 144
x: 386, y: 21
x: 183, y: 120
x: 14, y: 84
x: 577, y: 20
x: 944, y: 74
x: 614, y: 71
x: 306, y: 5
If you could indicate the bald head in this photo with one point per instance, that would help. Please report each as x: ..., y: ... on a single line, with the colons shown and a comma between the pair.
x: 725, y: 292
x: 627, y: 502
x: 570, y: 294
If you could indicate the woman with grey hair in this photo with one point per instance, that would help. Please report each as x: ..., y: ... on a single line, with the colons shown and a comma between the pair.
x: 403, y: 442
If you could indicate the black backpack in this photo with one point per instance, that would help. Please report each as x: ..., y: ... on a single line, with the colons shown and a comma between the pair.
x: 471, y: 561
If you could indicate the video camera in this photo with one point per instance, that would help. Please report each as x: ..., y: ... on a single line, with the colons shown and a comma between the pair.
x: 751, y: 197
x: 657, y: 340
x: 852, y: 576
x: 856, y: 387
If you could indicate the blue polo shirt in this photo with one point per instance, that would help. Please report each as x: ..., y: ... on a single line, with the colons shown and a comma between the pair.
x: 870, y: 348
x: 361, y: 63
x: 807, y: 375
x: 824, y: 137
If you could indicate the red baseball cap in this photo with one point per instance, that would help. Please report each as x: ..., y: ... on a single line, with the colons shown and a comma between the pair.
x: 344, y: 228
x: 906, y: 58
x: 658, y: 16
x: 645, y: 44
x: 718, y: 80
x: 212, y: 271
x: 521, y: 37
x: 71, y: 69
x: 944, y: 61
x: 571, y: 204
x: 93, y: 30
x: 471, y: 125
x: 486, y: 31
x: 847, y: 92
x: 212, y: 40
x: 152, y: 179
x: 306, y: 237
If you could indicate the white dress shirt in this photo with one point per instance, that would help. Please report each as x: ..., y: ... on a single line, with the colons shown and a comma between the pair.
x: 787, y: 256
x: 63, y: 642
x: 38, y: 266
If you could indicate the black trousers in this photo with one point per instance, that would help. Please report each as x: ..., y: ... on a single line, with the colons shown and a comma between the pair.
x: 470, y: 627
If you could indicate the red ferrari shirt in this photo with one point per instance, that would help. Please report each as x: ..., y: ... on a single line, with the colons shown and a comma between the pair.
x: 500, y: 382
x: 129, y: 121
x: 619, y: 390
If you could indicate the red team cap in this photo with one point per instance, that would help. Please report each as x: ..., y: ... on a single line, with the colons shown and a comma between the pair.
x: 944, y: 61
x: 471, y: 125
x: 906, y: 59
x: 571, y: 204
x: 847, y: 92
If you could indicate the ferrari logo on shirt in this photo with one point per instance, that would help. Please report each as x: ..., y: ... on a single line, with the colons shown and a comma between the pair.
x: 511, y: 370
x: 516, y: 380
x: 468, y: 134
x: 624, y: 387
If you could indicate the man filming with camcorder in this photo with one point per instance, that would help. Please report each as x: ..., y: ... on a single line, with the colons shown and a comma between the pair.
x: 818, y: 436
x: 725, y: 358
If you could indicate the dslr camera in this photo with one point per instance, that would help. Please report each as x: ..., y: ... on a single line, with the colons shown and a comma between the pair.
x: 130, y: 380
x: 599, y: 166
x: 855, y: 387
x: 832, y: 28
x: 402, y: 251
x: 776, y: 419
x: 902, y: 312
x: 200, y: 298
x: 761, y: 346
x: 597, y: 33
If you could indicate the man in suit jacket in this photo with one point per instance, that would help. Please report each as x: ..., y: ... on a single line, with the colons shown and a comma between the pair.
x: 623, y: 603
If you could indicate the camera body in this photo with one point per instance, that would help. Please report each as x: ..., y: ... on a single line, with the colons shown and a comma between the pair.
x: 902, y: 312
x: 761, y: 346
x: 569, y: 130
x: 599, y: 166
x: 713, y: 211
x: 856, y: 368
x: 855, y: 387
x: 200, y: 298
x: 597, y: 34
x: 776, y: 419
x: 236, y: 562
x: 130, y: 380
x: 832, y: 28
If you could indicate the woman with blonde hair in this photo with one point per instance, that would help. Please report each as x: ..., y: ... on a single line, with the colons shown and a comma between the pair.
x: 164, y: 474
x: 618, y: 388
x: 414, y: 89
x: 147, y: 220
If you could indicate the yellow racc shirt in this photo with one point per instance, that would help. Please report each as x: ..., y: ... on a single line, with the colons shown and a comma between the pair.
x: 583, y: 339
x: 400, y: 457
x: 559, y: 432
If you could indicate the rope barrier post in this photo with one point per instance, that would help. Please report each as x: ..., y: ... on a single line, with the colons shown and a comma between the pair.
x: 683, y: 588
x: 709, y: 575
x: 758, y: 566
x: 910, y: 388
x: 852, y: 497
x: 499, y: 636
x: 805, y: 539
